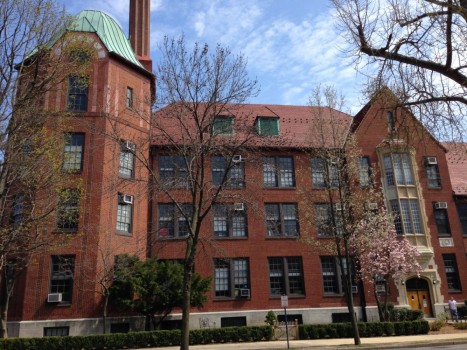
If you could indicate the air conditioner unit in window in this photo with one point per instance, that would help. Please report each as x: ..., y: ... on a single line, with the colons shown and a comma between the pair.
x: 244, y: 293
x: 54, y: 297
x: 237, y: 158
x: 239, y: 206
x: 431, y: 160
x: 130, y: 146
x: 372, y: 206
x: 339, y: 206
x: 125, y: 199
x: 380, y: 288
x: 354, y: 289
x: 441, y: 205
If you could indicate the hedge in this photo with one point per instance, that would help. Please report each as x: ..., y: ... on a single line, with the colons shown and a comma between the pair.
x: 135, y: 340
x: 369, y: 329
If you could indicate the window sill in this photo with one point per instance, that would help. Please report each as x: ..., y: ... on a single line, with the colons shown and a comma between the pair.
x: 123, y: 233
x: 230, y: 237
x: 126, y: 177
x: 64, y: 230
x: 279, y: 188
x: 454, y: 291
x: 283, y: 237
x: 220, y: 299
x: 435, y: 188
x: 275, y: 297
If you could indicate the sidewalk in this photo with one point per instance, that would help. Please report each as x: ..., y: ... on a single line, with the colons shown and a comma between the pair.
x: 413, y: 341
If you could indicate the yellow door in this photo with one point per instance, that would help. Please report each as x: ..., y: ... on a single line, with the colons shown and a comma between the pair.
x: 420, y: 300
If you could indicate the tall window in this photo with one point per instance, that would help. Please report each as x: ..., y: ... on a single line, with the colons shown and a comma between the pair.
x: 324, y: 221
x: 229, y: 221
x: 73, y: 152
x: 407, y: 219
x: 432, y: 172
x: 77, y: 94
x: 281, y: 220
x: 442, y: 222
x: 235, y: 177
x: 452, y: 273
x: 62, y: 276
x: 391, y: 121
x: 398, y: 169
x: 232, y: 278
x: 173, y: 170
x: 324, y: 173
x: 365, y: 171
x: 129, y: 97
x: 286, y: 276
x: 125, y: 213
x: 174, y: 223
x: 126, y: 162
x: 68, y: 210
x: 267, y: 126
x: 223, y: 125
x: 462, y: 212
x: 17, y: 211
x: 333, y: 273
x: 278, y: 172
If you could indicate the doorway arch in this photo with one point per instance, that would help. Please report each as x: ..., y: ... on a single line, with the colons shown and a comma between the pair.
x: 418, y: 295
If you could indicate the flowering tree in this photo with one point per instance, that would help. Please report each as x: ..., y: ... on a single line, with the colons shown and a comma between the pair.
x: 382, y: 255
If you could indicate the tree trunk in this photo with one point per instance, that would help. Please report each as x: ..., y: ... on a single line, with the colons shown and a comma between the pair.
x: 104, y: 313
x: 4, y: 301
x: 185, y: 341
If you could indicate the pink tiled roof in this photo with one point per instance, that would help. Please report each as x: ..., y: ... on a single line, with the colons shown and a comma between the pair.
x: 300, y: 126
x: 457, y: 164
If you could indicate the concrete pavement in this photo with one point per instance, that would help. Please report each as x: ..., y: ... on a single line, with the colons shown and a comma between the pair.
x: 347, y: 343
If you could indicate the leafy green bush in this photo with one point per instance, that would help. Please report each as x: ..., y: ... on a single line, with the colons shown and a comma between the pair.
x: 460, y: 325
x: 137, y: 340
x: 369, y: 329
x: 271, y: 318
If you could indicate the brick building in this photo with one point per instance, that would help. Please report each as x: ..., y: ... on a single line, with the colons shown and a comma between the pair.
x: 251, y: 247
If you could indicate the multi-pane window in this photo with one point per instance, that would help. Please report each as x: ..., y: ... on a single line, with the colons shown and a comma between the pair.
x: 278, y: 172
x: 68, y: 210
x: 62, y: 275
x: 129, y: 97
x: 327, y: 225
x: 56, y: 331
x: 125, y: 213
x: 406, y: 214
x: 232, y: 277
x: 281, y: 219
x: 173, y: 170
x: 452, y: 272
x: 77, y: 94
x: 229, y: 174
x: 333, y: 274
x: 17, y: 211
x: 173, y: 222
x: 398, y: 169
x: 267, y: 126
x: 126, y: 164
x: 324, y: 173
x: 229, y: 221
x: 365, y: 171
x: 432, y: 172
x: 462, y: 212
x: 223, y: 125
x: 73, y: 152
x: 442, y: 222
x: 286, y: 276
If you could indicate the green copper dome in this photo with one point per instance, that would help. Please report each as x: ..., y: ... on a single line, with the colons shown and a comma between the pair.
x: 108, y: 30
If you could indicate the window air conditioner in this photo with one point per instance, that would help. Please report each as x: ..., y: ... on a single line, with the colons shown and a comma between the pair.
x: 431, y: 160
x: 125, y: 199
x: 339, y: 206
x: 354, y: 289
x: 237, y: 158
x: 372, y: 206
x: 441, y: 205
x: 130, y: 146
x: 239, y: 206
x: 54, y: 297
x: 244, y: 293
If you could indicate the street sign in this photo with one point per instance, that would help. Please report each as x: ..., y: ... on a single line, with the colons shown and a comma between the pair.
x: 284, y: 301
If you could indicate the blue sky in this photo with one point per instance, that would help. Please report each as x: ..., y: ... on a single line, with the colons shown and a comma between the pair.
x: 291, y: 46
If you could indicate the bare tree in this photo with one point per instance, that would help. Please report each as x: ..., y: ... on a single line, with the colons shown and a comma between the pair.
x: 34, y: 62
x: 418, y: 48
x: 202, y: 91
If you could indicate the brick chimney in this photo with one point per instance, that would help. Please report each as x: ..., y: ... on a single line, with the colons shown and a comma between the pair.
x: 140, y: 21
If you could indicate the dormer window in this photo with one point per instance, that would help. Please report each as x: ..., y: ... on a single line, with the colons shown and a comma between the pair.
x: 267, y: 126
x: 223, y: 125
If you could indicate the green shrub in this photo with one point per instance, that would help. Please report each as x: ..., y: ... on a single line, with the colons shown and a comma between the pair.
x: 460, y: 325
x: 388, y: 328
x: 271, y: 318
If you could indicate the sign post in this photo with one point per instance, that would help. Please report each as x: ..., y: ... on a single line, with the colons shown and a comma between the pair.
x: 285, y: 305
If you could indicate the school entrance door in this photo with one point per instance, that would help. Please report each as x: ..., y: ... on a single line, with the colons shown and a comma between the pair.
x: 418, y: 294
